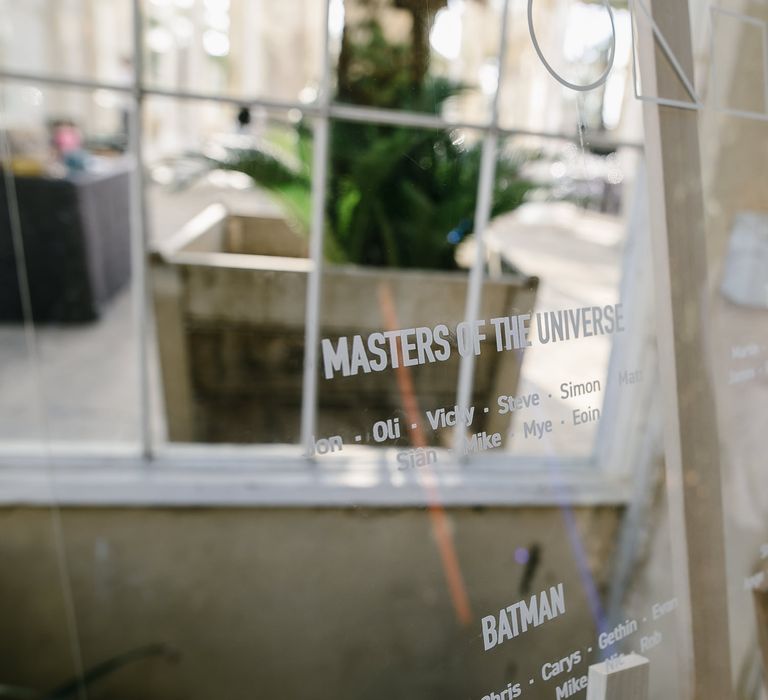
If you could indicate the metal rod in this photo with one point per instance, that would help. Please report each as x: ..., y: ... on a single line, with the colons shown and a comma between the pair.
x: 354, y: 113
x: 396, y: 117
x: 475, y: 284
x: 316, y: 236
x: 138, y: 209
x: 61, y: 81
x: 482, y: 217
x: 251, y: 101
x: 503, y: 41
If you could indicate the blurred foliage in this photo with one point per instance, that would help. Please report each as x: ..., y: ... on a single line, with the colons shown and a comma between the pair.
x: 396, y: 196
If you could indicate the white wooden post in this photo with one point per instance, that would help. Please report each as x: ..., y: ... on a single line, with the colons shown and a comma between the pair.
x: 625, y: 678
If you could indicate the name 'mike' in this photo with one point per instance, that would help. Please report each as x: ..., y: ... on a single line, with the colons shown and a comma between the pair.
x: 518, y: 617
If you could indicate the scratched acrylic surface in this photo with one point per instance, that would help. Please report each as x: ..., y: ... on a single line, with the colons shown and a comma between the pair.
x: 381, y: 348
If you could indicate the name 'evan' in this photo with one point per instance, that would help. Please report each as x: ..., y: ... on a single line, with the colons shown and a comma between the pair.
x: 518, y: 617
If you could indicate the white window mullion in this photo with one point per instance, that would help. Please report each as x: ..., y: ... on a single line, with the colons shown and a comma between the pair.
x: 316, y: 236
x: 485, y: 183
x: 138, y: 214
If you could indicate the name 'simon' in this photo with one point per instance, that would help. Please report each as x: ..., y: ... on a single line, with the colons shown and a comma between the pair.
x: 518, y: 617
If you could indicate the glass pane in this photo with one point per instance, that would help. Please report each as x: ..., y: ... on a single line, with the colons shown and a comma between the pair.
x: 399, y: 201
x: 248, y: 48
x: 229, y: 230
x: 576, y: 39
x: 67, y: 177
x: 562, y: 217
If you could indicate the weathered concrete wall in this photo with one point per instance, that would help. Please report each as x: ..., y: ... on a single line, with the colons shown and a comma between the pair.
x: 323, y: 603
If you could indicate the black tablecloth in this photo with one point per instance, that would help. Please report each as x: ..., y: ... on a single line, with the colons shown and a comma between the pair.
x: 76, y: 239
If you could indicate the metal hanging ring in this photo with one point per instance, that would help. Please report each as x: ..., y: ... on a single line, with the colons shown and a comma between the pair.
x: 553, y: 72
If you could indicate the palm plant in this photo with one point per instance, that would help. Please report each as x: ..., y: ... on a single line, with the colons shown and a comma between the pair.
x: 397, y: 196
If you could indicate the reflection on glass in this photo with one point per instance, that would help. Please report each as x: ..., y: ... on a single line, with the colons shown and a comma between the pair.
x: 269, y: 50
x: 62, y: 39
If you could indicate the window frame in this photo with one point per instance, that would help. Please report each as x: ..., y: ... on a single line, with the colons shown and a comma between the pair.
x: 97, y: 473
